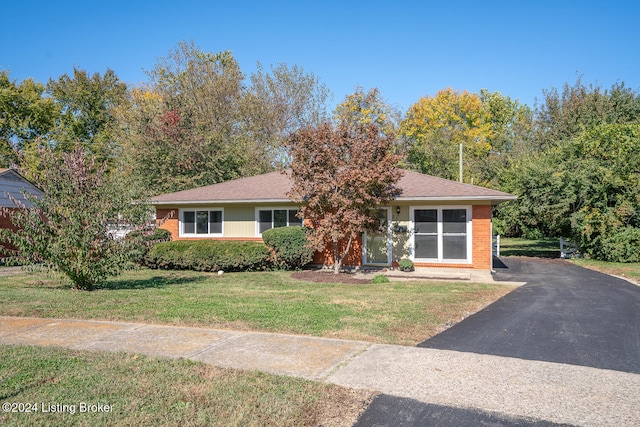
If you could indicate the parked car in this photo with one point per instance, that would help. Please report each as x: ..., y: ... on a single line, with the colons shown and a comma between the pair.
x: 118, y: 231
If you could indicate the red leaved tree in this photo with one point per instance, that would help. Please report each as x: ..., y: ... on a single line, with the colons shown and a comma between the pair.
x: 340, y: 175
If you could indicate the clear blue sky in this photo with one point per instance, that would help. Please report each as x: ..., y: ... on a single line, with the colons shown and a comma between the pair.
x: 408, y: 49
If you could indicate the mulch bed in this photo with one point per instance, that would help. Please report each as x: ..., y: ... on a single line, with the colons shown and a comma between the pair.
x: 320, y: 276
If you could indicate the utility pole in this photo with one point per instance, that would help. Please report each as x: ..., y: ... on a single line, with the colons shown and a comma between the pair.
x: 460, y: 161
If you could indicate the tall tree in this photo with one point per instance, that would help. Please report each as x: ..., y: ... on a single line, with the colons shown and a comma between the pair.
x: 274, y: 105
x: 436, y: 126
x: 340, y: 176
x: 182, y: 127
x: 579, y: 107
x: 362, y: 107
x: 87, y: 105
x: 489, y: 126
x: 26, y: 115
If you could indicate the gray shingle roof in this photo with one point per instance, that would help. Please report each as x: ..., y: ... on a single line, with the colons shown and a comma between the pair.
x: 12, y: 184
x: 274, y: 186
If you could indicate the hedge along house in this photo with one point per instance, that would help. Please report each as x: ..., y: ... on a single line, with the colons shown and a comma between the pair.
x: 435, y: 222
x: 13, y: 186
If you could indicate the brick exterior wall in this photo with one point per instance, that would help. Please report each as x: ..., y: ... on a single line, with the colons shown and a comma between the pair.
x: 353, y: 258
x: 481, y: 249
x: 5, y: 222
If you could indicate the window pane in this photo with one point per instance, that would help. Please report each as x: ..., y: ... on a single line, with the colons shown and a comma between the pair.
x: 215, y: 222
x: 426, y: 246
x: 279, y: 219
x: 426, y: 220
x: 202, y: 222
x: 454, y: 247
x: 189, y: 222
x: 293, y: 219
x: 265, y: 220
x: 454, y: 220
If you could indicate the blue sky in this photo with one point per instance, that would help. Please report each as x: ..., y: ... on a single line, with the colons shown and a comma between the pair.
x: 407, y: 49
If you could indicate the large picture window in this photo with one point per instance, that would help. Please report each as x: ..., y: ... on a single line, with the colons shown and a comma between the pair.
x: 274, y: 218
x: 202, y: 222
x: 441, y: 234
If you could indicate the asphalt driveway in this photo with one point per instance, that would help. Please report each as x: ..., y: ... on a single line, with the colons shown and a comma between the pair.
x: 564, y: 314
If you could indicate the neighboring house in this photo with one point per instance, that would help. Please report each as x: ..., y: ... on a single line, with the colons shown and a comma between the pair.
x: 435, y: 222
x: 13, y: 185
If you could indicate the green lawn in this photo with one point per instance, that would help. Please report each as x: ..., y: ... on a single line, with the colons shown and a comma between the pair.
x: 151, y: 391
x: 136, y: 390
x: 403, y: 313
x: 541, y: 248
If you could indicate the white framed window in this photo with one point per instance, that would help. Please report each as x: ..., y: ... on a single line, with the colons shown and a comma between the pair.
x: 202, y: 222
x: 441, y: 234
x: 267, y: 218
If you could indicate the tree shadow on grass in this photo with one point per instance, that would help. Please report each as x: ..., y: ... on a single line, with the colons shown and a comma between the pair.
x: 151, y: 282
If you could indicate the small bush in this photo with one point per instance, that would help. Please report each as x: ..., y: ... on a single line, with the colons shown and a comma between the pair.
x: 208, y: 255
x: 406, y: 264
x: 380, y: 278
x: 290, y: 248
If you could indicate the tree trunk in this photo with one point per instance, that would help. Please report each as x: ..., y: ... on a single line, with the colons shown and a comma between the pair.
x: 337, y: 258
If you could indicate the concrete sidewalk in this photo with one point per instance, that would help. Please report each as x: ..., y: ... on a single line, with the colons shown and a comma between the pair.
x: 553, y: 392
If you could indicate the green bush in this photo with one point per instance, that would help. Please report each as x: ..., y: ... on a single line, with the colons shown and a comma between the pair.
x: 622, y: 246
x: 380, y: 278
x: 406, y: 264
x: 289, y: 245
x: 208, y: 255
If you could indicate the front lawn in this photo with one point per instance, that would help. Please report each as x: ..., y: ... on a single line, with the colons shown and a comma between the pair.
x: 403, y: 313
x: 60, y: 387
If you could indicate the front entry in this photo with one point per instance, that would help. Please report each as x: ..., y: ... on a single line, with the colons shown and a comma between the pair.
x: 377, y: 246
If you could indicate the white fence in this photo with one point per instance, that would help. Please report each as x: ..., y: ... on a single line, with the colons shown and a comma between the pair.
x: 495, y: 246
x: 568, y: 249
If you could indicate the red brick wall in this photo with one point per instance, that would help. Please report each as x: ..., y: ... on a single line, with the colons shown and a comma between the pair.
x: 481, y: 245
x: 5, y: 222
x: 353, y: 258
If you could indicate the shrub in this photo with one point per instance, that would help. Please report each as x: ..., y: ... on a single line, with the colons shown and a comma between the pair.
x: 208, y: 255
x: 290, y: 247
x: 406, y: 264
x: 380, y: 278
x: 622, y: 246
x: 146, y: 239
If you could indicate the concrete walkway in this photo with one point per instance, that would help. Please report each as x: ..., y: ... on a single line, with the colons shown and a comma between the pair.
x: 554, y: 392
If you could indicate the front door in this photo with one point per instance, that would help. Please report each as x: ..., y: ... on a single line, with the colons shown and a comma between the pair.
x: 377, y: 246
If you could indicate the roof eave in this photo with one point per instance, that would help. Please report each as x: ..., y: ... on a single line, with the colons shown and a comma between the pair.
x: 218, y: 202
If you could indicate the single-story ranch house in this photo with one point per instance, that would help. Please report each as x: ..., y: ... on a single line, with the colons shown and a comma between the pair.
x: 434, y: 222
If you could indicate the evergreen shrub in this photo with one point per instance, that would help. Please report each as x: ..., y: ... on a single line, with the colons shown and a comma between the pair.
x: 208, y: 255
x: 289, y: 246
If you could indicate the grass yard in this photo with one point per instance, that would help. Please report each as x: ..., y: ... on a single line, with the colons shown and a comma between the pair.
x: 404, y: 313
x: 141, y: 390
x: 541, y: 248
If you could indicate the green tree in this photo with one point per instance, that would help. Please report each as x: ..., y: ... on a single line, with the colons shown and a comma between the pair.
x: 66, y: 229
x: 340, y: 175
x: 87, y: 105
x: 564, y: 115
x: 274, y: 105
x: 26, y: 115
x: 586, y: 188
x: 182, y: 127
x: 360, y: 108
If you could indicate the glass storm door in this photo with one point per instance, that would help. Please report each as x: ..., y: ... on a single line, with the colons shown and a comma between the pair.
x: 377, y: 247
